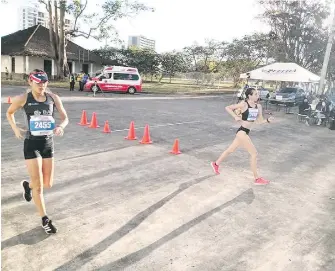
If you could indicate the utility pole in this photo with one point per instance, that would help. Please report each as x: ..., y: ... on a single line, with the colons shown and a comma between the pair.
x: 327, y: 55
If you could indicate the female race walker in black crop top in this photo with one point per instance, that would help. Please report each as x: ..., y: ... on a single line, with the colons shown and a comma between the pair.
x: 251, y: 112
x: 38, y: 106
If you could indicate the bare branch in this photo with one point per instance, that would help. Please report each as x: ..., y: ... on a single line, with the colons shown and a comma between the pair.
x: 45, y: 4
x: 82, y: 9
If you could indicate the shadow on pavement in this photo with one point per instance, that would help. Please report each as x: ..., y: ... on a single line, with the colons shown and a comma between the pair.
x: 90, y: 253
x: 31, y: 237
x: 247, y: 197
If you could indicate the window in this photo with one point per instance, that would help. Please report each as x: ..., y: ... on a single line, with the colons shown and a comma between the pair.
x: 288, y: 90
x: 13, y: 64
x: 125, y: 76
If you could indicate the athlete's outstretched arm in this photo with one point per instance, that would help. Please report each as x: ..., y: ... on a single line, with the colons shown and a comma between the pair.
x: 17, y: 103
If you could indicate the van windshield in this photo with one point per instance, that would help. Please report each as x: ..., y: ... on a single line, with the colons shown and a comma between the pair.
x: 288, y: 90
x: 125, y: 76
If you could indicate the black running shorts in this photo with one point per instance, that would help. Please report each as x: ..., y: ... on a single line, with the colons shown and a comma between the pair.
x: 246, y: 130
x: 41, y: 147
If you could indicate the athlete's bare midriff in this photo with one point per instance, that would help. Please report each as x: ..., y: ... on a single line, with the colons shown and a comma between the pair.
x: 246, y: 124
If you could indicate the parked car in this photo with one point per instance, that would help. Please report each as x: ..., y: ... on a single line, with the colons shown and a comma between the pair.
x: 263, y: 92
x: 290, y: 96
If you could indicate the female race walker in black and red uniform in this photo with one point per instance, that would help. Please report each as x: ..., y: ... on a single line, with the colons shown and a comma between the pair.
x: 251, y: 112
x: 38, y: 105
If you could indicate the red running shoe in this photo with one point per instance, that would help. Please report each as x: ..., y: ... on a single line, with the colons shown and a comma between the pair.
x: 215, y: 167
x: 261, y: 181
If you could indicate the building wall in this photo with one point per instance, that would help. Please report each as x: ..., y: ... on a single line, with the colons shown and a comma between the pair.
x: 25, y: 64
x: 19, y: 64
x: 6, y: 62
x: 92, y: 67
x: 35, y: 63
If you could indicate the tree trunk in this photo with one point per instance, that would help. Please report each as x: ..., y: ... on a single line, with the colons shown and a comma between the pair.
x: 160, y: 78
x: 57, y: 35
x: 170, y: 78
x: 61, y: 40
x: 52, y: 32
x: 152, y: 77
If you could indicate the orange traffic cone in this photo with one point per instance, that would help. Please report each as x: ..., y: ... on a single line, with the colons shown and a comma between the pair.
x: 94, y: 122
x: 146, y: 137
x: 83, y: 121
x: 131, y: 133
x: 9, y: 101
x: 106, y: 127
x: 175, y: 148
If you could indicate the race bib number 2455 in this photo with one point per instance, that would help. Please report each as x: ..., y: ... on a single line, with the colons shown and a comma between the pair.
x: 42, y: 125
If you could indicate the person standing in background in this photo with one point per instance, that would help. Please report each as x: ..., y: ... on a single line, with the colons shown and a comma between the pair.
x: 72, y: 82
x: 83, y: 81
x: 7, y: 73
x: 79, y: 79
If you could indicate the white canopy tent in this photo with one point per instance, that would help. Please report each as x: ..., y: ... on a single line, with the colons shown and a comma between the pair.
x: 282, y: 72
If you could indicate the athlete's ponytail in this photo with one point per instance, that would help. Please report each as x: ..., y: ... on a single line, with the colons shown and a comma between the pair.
x: 249, y: 92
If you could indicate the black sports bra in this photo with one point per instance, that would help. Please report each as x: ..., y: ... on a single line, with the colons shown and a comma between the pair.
x: 250, y: 114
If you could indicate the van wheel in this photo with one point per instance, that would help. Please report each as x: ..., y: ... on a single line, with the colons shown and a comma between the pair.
x: 95, y: 89
x: 131, y: 90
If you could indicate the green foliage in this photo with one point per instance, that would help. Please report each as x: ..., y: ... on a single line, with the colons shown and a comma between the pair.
x: 205, y: 58
x: 172, y: 63
x: 298, y: 32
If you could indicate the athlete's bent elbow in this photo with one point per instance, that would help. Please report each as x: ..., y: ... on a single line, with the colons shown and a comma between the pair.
x: 228, y: 109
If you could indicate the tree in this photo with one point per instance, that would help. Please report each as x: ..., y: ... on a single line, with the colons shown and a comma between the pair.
x: 146, y: 61
x: 150, y: 63
x: 112, y: 56
x: 172, y: 62
x: 95, y: 24
x: 297, y: 31
x: 206, y: 58
x: 245, y: 54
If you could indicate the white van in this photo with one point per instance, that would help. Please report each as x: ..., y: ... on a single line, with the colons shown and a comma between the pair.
x: 116, y: 78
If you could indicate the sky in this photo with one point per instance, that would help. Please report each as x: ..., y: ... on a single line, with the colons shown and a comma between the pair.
x: 174, y: 24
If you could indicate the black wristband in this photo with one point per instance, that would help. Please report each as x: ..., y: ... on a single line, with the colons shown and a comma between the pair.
x: 267, y: 119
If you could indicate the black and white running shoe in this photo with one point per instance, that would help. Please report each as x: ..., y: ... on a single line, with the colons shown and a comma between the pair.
x: 26, y: 190
x: 48, y: 227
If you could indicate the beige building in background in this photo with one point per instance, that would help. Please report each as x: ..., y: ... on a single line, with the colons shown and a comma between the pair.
x: 141, y: 42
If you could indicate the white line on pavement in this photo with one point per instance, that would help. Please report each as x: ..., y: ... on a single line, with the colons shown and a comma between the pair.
x: 160, y: 125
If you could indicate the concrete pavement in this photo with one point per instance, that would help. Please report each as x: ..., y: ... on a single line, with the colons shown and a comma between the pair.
x: 120, y: 205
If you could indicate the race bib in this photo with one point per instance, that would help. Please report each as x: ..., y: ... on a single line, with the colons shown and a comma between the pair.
x: 42, y: 125
x: 253, y: 113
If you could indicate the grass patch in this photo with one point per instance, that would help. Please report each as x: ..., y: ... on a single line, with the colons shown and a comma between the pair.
x: 183, y: 88
x: 152, y: 87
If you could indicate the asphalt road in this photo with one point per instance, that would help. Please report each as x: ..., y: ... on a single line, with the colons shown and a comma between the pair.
x: 120, y: 205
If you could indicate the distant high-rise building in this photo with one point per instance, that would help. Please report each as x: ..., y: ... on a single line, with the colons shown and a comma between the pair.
x: 141, y: 42
x: 30, y: 14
